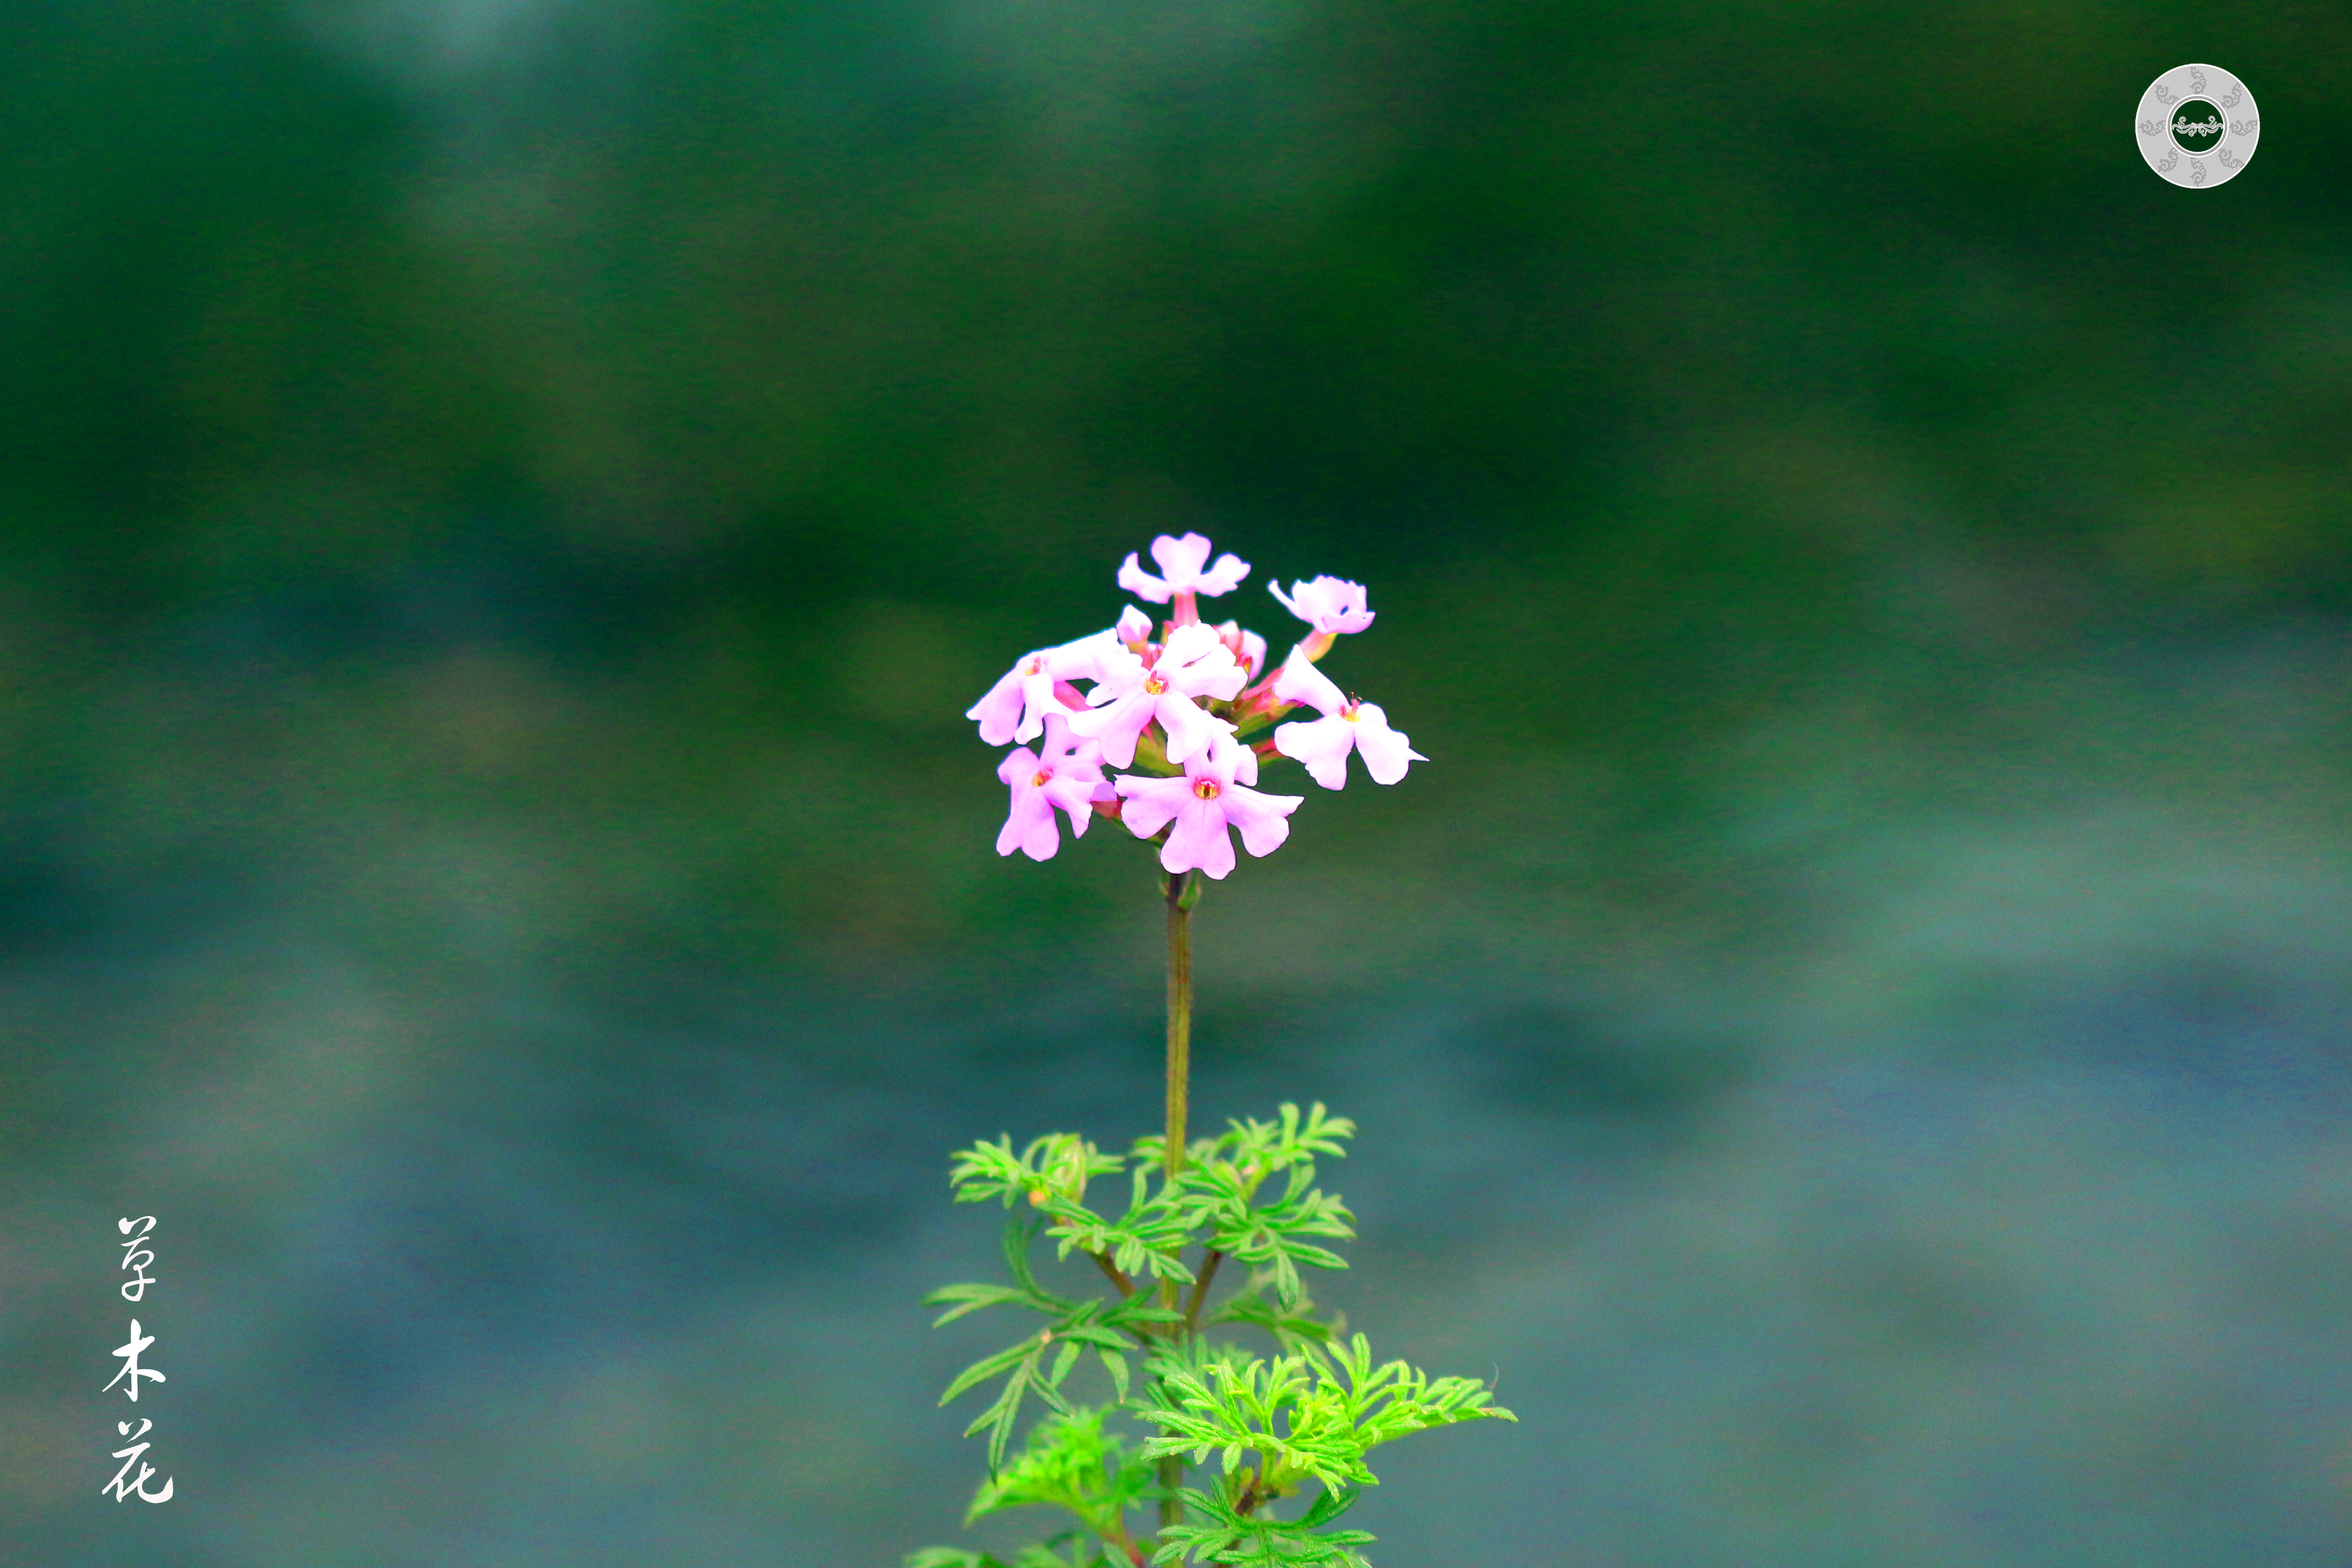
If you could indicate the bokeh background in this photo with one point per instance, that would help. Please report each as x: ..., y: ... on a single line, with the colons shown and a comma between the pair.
x: 506, y: 500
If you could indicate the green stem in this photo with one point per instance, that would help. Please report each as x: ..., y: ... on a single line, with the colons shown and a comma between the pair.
x: 1114, y: 1273
x: 1179, y: 1019
x: 1183, y: 891
x: 1201, y: 1287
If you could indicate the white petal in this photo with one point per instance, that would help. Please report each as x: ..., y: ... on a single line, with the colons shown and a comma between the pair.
x: 1321, y: 745
x: 1387, y: 752
x: 1300, y: 681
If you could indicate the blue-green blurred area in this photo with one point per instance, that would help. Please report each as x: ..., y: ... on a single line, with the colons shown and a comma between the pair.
x: 505, y: 504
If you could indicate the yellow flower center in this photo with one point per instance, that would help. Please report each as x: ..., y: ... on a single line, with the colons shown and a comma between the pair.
x: 1043, y: 774
x: 1206, y: 789
x: 1154, y: 685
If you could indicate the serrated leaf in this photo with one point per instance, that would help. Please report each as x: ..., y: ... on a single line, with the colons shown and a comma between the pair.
x: 988, y: 1366
x: 970, y: 1299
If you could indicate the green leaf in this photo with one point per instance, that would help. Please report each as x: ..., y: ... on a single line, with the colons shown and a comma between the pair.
x: 988, y: 1366
x: 1139, y: 1310
x: 1018, y: 1235
x: 950, y: 1557
x: 1000, y: 1414
x: 1330, y: 1505
x: 971, y: 1298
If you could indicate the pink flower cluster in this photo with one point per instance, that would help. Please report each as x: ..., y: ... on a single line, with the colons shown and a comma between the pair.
x: 1182, y: 710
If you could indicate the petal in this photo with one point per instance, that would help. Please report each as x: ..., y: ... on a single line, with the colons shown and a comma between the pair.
x: 1274, y: 588
x: 1333, y: 604
x: 1199, y: 842
x: 1263, y: 819
x: 1134, y: 627
x: 999, y: 713
x: 1016, y: 766
x: 1045, y: 838
x: 1021, y: 822
x: 1152, y: 803
x: 1299, y: 681
x: 1075, y: 796
x: 1229, y: 761
x: 1386, y: 752
x: 1076, y: 660
x: 1068, y: 755
x: 1037, y: 700
x: 1197, y: 663
x: 1224, y: 576
x: 1321, y: 745
x: 1190, y: 728
x: 1180, y: 559
x: 1115, y: 727
x: 1253, y: 653
x: 1134, y: 580
x: 1221, y: 678
x: 1186, y: 644
x: 1117, y: 670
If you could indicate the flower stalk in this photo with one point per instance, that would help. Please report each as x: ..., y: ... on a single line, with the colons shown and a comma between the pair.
x: 1183, y: 891
x: 1181, y: 713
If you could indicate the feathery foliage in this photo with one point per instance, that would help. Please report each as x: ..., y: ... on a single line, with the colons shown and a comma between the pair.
x: 1299, y: 1421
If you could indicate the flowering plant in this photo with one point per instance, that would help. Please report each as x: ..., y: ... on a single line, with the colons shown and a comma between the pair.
x: 1180, y: 711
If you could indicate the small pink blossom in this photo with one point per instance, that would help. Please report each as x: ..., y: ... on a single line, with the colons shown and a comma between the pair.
x: 1327, y: 604
x: 1210, y: 798
x: 1193, y: 663
x: 1134, y: 629
x: 1059, y: 775
x: 1182, y: 562
x: 1322, y: 746
x: 1015, y: 707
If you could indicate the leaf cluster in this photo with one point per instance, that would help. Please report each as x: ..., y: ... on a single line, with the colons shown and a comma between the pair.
x: 1069, y: 1462
x: 1226, y: 1534
x: 1315, y: 1413
x: 1307, y: 1414
x: 1076, y: 1325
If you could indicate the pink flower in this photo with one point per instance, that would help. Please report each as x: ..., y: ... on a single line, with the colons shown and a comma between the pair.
x: 1210, y: 798
x: 1193, y: 663
x: 1064, y: 774
x: 1016, y: 707
x: 1323, y: 744
x: 1327, y: 604
x: 1181, y: 561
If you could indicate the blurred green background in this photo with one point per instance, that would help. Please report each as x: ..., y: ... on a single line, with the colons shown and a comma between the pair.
x: 505, y: 504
